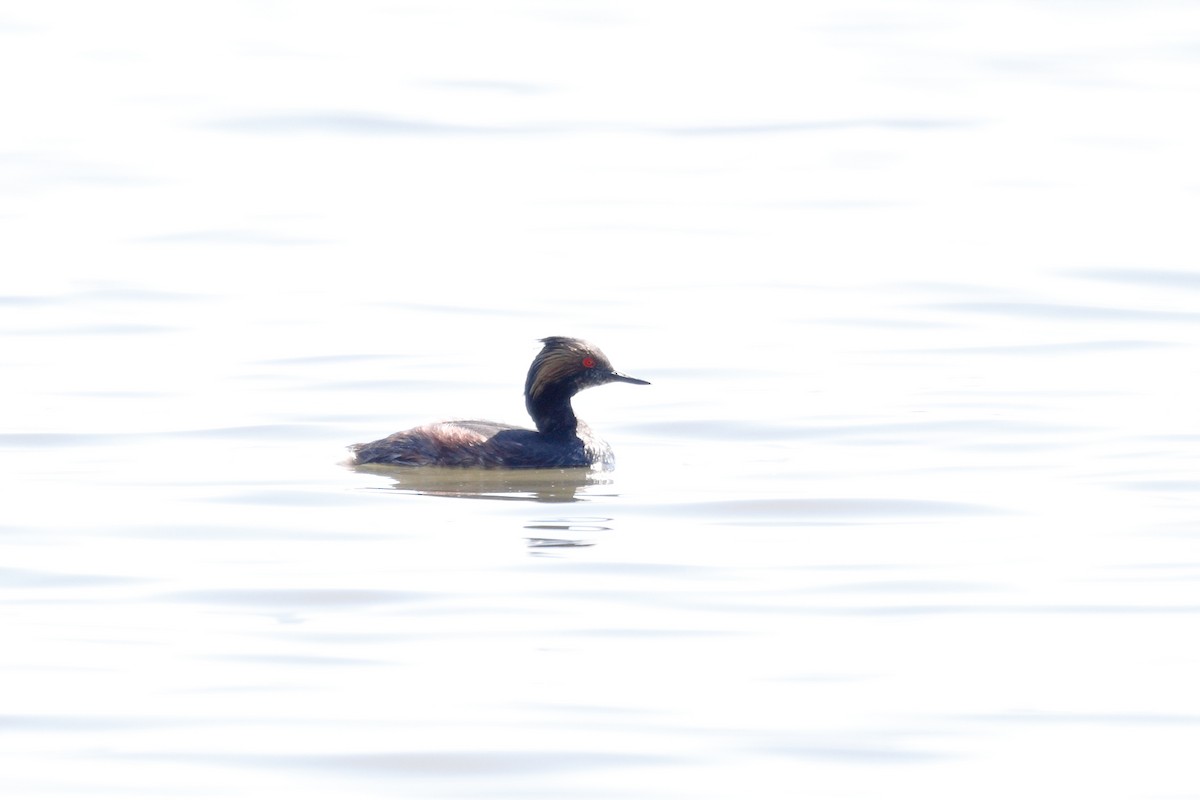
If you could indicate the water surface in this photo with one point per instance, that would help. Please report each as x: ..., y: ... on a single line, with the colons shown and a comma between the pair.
x: 910, y: 507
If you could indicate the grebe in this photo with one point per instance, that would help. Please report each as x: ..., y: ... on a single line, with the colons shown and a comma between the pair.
x: 563, y: 367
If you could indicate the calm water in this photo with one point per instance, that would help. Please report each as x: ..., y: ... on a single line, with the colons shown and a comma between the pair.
x: 912, y: 507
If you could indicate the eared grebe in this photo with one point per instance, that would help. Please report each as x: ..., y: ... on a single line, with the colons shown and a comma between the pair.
x: 562, y: 368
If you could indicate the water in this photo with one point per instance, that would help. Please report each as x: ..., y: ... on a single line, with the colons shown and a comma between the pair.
x: 911, y: 506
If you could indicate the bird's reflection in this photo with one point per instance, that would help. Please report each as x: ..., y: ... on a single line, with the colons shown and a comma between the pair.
x: 538, y: 485
x: 564, y: 526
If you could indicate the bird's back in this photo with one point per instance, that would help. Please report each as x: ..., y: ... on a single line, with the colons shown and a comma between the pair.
x: 480, y: 443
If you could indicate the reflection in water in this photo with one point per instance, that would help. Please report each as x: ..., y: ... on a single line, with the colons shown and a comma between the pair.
x: 539, y: 543
x: 540, y: 485
x: 566, y: 525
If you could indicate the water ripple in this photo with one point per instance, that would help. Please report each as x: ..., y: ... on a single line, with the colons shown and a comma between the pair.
x: 1064, y: 311
x: 793, y: 510
x: 1049, y: 349
x: 230, y: 237
x: 438, y: 763
x: 34, y: 579
x: 308, y: 598
x: 1164, y: 278
x: 743, y: 430
x: 367, y: 124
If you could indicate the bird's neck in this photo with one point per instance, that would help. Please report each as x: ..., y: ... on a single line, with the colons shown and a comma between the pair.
x: 552, y: 413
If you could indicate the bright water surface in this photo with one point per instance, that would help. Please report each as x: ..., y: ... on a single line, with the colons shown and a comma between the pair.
x: 912, y: 507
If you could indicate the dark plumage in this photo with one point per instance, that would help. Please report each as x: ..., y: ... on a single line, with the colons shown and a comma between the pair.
x: 564, y: 367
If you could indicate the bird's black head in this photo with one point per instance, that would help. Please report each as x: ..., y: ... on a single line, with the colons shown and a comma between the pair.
x: 564, y: 367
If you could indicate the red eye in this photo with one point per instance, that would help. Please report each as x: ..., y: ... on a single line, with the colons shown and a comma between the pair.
x: 589, y: 362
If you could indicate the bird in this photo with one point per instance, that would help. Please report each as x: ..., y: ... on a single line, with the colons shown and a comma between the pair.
x: 564, y: 367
